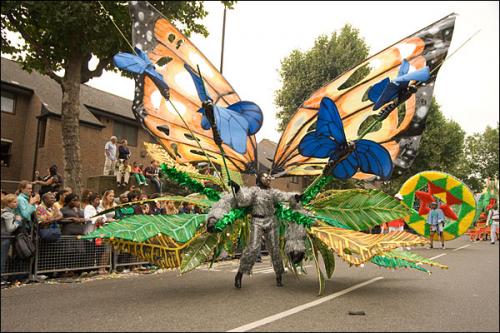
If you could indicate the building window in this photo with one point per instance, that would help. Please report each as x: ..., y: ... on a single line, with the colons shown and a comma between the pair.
x: 6, y: 152
x: 41, y: 134
x: 125, y: 131
x: 8, y: 102
x: 295, y: 180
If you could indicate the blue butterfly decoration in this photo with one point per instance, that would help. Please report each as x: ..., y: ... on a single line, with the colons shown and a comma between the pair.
x: 140, y: 64
x: 387, y: 90
x: 235, y: 122
x: 328, y: 140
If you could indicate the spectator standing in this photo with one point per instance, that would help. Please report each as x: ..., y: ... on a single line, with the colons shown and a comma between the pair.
x: 170, y: 209
x: 73, y: 223
x: 123, y: 151
x: 60, y: 195
x: 187, y: 208
x: 73, y: 216
x: 26, y: 202
x: 48, y: 229
x: 155, y: 207
x: 436, y: 220
x: 123, y: 172
x: 89, y: 212
x: 46, y: 213
x: 138, y: 174
x: 110, y: 155
x: 10, y: 222
x: 53, y: 182
x: 493, y: 222
x: 108, y: 202
x: 152, y: 172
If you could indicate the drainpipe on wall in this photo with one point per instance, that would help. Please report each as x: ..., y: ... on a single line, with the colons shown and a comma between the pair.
x: 36, y: 145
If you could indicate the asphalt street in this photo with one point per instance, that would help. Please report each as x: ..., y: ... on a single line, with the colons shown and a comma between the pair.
x: 464, y: 297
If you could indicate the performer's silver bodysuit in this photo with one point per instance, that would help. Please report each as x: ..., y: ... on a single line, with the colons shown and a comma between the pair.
x: 264, y: 222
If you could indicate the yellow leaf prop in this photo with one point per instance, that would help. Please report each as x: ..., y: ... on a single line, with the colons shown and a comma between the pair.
x: 161, y: 250
x: 357, y: 247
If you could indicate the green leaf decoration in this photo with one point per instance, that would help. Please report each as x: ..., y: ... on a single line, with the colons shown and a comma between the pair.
x: 198, y: 251
x: 328, y: 257
x: 321, y: 278
x: 235, y: 176
x: 359, y: 209
x: 387, y: 262
x: 229, y: 218
x: 331, y: 222
x: 139, y: 228
x: 183, y: 179
x: 413, y: 257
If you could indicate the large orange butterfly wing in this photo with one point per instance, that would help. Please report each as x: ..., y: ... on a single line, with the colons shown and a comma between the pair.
x: 159, y: 39
x: 400, y: 132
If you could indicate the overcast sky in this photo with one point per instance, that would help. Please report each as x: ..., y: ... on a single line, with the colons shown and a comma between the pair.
x: 260, y: 34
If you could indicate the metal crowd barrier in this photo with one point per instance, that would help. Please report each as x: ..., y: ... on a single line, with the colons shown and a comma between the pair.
x: 67, y: 254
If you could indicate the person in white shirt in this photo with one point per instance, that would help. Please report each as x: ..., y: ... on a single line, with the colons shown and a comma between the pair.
x: 492, y: 220
x: 89, y: 213
x: 110, y: 154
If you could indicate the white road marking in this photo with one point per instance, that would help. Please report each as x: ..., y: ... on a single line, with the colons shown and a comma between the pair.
x: 443, y: 254
x: 300, y: 308
x: 461, y: 247
x: 439, y: 255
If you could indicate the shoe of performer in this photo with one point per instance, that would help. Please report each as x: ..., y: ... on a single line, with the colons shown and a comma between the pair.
x: 493, y: 243
x: 442, y: 247
x: 237, y: 280
x: 279, y: 281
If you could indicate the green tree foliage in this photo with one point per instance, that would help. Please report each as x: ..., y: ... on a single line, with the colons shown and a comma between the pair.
x: 304, y: 72
x: 441, y: 149
x: 480, y: 159
x: 63, y: 35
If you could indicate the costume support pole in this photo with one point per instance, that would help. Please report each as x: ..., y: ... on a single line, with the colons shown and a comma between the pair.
x: 223, y: 37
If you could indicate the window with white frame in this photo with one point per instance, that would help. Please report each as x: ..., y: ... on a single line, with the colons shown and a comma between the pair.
x: 8, y: 102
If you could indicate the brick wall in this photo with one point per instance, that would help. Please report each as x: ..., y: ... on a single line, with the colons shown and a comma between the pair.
x: 21, y: 129
x: 92, y: 141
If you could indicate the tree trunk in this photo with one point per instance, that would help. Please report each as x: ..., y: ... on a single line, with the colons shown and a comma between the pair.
x: 70, y: 123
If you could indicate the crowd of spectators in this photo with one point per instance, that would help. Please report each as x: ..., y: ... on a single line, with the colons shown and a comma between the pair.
x: 59, y: 212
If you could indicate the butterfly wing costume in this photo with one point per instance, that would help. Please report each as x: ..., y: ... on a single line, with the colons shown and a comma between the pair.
x: 323, y: 137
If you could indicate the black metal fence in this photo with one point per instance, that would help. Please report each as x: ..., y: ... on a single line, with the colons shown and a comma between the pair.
x: 67, y: 254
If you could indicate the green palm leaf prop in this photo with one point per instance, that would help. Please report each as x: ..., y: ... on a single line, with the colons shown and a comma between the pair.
x: 321, y: 278
x: 384, y: 261
x: 139, y: 228
x: 331, y: 222
x: 413, y: 257
x: 327, y: 254
x: 359, y: 209
x: 198, y: 251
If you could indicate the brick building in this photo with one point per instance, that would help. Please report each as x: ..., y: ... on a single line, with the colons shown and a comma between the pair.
x: 31, y: 130
x: 31, y: 126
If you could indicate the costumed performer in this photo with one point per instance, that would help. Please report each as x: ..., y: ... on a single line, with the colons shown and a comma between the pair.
x: 262, y: 199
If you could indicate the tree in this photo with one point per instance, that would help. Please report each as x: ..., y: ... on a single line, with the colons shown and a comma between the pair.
x: 441, y: 149
x: 480, y: 159
x: 64, y: 35
x: 304, y: 72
